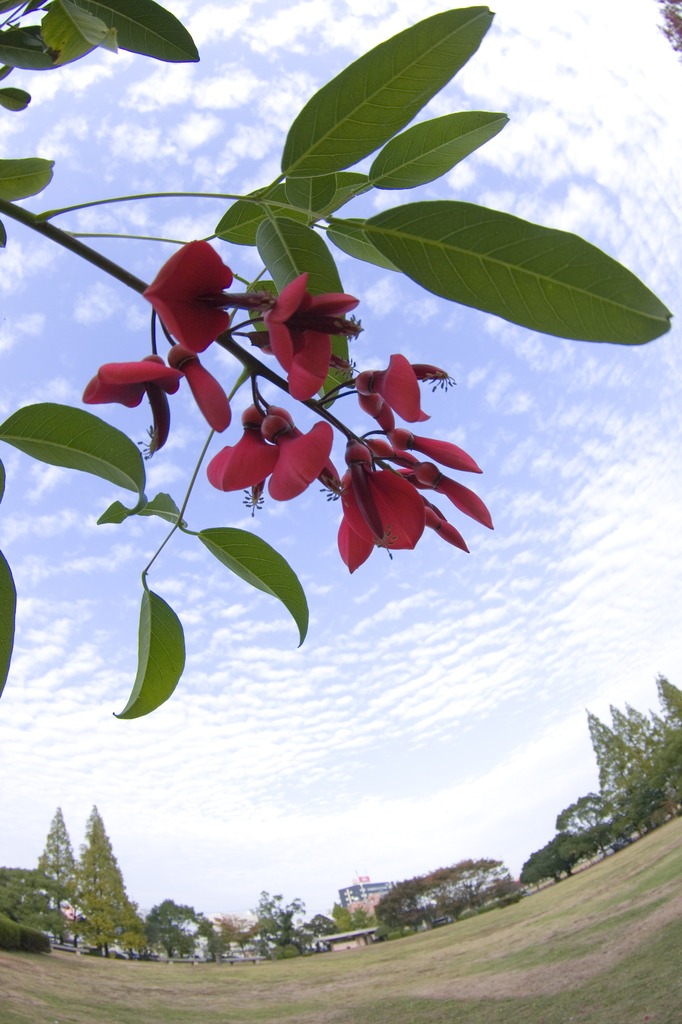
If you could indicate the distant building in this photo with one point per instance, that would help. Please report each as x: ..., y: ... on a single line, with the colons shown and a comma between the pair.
x: 349, y: 940
x: 363, y: 893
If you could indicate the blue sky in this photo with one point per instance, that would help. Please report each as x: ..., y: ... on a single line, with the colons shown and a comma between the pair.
x: 437, y: 708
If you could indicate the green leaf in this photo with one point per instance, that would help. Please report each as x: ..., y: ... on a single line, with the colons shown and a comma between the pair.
x: 380, y: 93
x: 71, y: 32
x: 4, y: 72
x: 2, y: 481
x: 3, y: 236
x: 164, y: 507
x: 145, y: 27
x: 20, y: 48
x: 289, y: 249
x: 311, y: 194
x: 540, y: 278
x: 22, y: 178
x: 8, y: 608
x: 429, y: 149
x: 348, y: 185
x: 351, y: 238
x: 161, y: 657
x: 62, y: 436
x: 14, y: 99
x: 254, y: 561
x: 240, y: 223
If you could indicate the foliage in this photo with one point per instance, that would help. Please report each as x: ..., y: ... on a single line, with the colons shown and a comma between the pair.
x: 279, y: 925
x: 107, y: 915
x: 25, y: 899
x: 672, y: 23
x: 58, y: 864
x: 446, y: 892
x: 556, y: 859
x: 172, y: 927
x: 543, y: 279
x: 226, y: 931
x: 19, y: 936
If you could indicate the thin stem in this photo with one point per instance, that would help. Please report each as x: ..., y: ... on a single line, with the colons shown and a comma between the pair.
x: 141, y: 238
x: 183, y: 507
x: 67, y: 241
x: 49, y: 214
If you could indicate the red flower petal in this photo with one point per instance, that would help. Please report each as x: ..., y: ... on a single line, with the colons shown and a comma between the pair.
x: 301, y: 460
x: 445, y: 530
x: 144, y: 371
x: 442, y: 451
x: 178, y: 293
x: 207, y: 392
x: 353, y: 548
x: 399, y: 505
x: 244, y: 464
x: 310, y: 364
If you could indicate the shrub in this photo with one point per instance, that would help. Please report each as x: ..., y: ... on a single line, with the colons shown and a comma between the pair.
x: 286, y: 952
x: 18, y: 936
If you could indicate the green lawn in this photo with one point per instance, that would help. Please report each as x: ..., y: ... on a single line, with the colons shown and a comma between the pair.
x: 604, y: 947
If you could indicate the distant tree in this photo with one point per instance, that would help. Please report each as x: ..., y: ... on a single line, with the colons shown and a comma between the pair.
x: 556, y: 859
x: 24, y: 898
x: 58, y: 864
x: 343, y: 920
x: 672, y: 22
x: 278, y: 928
x: 224, y: 932
x: 104, y: 906
x: 670, y: 698
x: 590, y: 817
x: 407, y: 903
x: 173, y: 927
x: 319, y: 926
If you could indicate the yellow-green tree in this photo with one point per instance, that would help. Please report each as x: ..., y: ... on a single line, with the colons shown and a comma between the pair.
x: 107, y: 913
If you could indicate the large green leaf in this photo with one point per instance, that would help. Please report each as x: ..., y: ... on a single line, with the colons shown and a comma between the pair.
x: 543, y: 279
x: 252, y: 559
x: 14, y: 99
x: 8, y: 607
x: 427, y: 150
x: 351, y: 238
x: 20, y: 48
x: 377, y: 95
x: 161, y: 657
x: 348, y: 185
x: 71, y: 32
x: 311, y: 194
x: 145, y: 27
x: 2, y: 481
x: 241, y: 221
x: 62, y: 436
x: 22, y: 178
x: 289, y: 249
x: 3, y: 236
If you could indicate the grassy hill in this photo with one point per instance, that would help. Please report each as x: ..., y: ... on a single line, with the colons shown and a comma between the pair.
x: 604, y: 947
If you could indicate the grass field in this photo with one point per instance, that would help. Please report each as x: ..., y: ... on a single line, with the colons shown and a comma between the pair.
x: 604, y: 947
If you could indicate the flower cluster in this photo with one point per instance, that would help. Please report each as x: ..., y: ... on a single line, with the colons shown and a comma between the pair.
x: 384, y: 489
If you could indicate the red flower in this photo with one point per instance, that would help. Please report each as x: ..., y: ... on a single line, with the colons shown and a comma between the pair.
x: 380, y: 506
x: 247, y: 463
x: 445, y: 530
x: 127, y: 383
x: 301, y: 457
x: 208, y: 393
x: 397, y: 385
x: 271, y: 446
x: 427, y: 475
x: 187, y: 295
x: 299, y: 328
x: 442, y: 451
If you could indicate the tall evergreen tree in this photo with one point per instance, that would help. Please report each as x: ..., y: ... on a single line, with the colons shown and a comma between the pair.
x: 58, y: 864
x: 102, y: 899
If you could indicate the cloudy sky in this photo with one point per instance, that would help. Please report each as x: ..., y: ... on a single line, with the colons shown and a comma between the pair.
x: 437, y: 708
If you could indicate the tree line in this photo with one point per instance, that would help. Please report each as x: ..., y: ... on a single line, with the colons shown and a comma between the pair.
x: 639, y: 758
